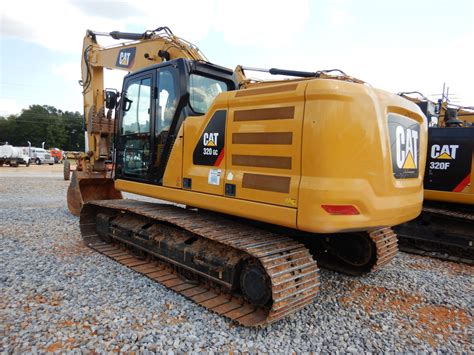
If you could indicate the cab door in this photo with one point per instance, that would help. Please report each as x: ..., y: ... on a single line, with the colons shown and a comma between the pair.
x: 167, y: 119
x: 134, y: 152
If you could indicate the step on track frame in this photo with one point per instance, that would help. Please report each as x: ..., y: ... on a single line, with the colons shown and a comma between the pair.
x: 293, y: 273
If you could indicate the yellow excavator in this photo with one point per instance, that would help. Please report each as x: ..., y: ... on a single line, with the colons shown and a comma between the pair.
x: 445, y: 228
x: 274, y: 175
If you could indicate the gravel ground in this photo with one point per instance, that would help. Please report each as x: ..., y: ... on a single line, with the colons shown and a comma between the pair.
x: 58, y: 295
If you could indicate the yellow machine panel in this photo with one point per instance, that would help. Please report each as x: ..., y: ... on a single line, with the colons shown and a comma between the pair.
x: 204, y: 178
x: 311, y: 151
x: 173, y: 176
x: 264, y: 143
x: 346, y: 145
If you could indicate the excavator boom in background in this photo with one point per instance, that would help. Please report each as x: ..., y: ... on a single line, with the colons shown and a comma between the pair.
x: 275, y: 175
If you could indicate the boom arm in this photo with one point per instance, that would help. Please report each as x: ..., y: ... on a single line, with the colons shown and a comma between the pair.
x: 151, y: 47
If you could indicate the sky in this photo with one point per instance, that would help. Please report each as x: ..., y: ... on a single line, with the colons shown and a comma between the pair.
x: 395, y: 45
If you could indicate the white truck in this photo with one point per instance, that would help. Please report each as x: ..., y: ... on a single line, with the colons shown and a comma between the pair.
x: 38, y: 155
x: 13, y: 156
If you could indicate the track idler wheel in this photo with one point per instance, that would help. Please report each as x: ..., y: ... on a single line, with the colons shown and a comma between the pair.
x: 255, y: 283
x: 350, y: 253
x: 356, y: 250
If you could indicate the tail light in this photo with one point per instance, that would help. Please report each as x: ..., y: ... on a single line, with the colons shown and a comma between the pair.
x: 340, y: 209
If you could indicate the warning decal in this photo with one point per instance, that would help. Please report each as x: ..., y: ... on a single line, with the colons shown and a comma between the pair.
x: 214, y: 177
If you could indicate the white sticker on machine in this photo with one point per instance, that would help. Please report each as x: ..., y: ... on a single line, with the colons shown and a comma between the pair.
x: 214, y: 177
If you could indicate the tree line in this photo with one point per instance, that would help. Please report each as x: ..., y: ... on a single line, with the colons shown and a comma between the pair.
x: 43, y: 123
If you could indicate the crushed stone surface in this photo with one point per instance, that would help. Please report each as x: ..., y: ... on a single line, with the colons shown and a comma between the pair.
x: 58, y: 295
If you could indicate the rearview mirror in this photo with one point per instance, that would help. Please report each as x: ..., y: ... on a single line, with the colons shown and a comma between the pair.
x: 111, y: 97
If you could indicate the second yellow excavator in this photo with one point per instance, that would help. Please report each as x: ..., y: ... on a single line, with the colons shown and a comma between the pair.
x: 274, y: 175
x: 445, y: 228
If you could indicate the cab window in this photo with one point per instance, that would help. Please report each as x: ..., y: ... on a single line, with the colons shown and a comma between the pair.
x: 136, y: 107
x: 203, y: 90
x: 134, y: 152
x: 167, y: 100
x: 167, y: 103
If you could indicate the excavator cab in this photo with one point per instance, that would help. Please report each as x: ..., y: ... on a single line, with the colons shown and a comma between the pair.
x: 155, y: 103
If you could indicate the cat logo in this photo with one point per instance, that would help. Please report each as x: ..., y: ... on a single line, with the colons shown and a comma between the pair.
x: 405, y: 146
x: 209, y: 149
x: 210, y: 139
x: 126, y: 57
x: 444, y: 151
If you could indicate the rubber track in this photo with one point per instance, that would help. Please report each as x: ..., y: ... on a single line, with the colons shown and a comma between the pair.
x: 293, y: 273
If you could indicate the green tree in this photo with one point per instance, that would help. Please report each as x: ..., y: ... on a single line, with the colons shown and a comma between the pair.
x: 44, y: 123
